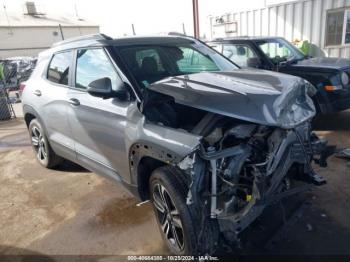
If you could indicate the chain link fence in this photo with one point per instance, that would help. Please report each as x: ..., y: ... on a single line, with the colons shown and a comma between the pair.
x: 6, y: 108
x: 12, y: 73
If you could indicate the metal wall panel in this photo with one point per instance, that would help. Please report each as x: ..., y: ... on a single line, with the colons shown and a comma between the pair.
x: 289, y: 22
x: 29, y: 41
x: 273, y: 21
x: 250, y: 24
x: 265, y: 22
x: 300, y: 19
x: 308, y: 14
x: 257, y: 22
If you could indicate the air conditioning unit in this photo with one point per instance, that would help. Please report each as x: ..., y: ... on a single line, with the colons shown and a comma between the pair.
x: 31, y: 8
x: 231, y: 27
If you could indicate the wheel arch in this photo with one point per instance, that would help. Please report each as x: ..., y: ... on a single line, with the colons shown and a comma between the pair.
x: 29, y: 114
x: 144, y: 158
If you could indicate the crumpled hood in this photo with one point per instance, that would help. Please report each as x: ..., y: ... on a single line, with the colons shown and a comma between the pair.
x: 324, y: 62
x: 257, y: 96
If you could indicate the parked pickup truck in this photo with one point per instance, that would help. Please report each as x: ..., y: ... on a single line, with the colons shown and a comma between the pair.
x: 329, y: 75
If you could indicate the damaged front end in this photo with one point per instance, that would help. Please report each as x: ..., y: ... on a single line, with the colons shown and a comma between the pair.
x: 257, y: 145
x: 250, y: 167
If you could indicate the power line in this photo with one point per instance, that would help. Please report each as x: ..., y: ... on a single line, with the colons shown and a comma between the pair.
x: 8, y: 20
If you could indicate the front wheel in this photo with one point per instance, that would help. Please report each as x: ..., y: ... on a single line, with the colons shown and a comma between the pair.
x: 184, y: 228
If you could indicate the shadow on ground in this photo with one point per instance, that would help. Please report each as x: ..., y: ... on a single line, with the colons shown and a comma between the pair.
x: 333, y: 122
x: 15, y: 254
x: 68, y: 166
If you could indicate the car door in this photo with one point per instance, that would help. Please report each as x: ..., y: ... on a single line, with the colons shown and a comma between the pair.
x: 98, y: 124
x: 51, y: 98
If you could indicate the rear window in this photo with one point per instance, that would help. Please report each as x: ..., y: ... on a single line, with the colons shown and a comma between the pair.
x: 59, y: 68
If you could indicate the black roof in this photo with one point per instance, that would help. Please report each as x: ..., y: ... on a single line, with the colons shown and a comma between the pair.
x: 103, y: 40
x: 244, y: 38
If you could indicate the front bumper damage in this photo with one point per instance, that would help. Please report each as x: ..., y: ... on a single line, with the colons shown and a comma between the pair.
x: 291, y: 151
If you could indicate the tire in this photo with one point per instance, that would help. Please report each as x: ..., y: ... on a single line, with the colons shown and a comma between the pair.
x: 165, y: 187
x: 173, y: 185
x: 41, y: 147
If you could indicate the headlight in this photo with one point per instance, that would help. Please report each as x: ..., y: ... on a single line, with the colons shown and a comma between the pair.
x: 344, y: 78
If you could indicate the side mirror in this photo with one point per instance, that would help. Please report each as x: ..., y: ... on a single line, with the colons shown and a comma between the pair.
x: 254, y: 62
x: 103, y: 88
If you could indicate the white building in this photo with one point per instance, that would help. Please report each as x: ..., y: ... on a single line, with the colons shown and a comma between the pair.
x: 28, y: 33
x: 324, y: 23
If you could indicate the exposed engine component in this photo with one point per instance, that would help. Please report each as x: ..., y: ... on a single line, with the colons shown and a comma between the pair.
x: 249, y: 166
x: 240, y: 167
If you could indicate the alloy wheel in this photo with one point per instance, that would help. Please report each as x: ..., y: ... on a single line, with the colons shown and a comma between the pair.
x: 168, y: 217
x: 39, y: 144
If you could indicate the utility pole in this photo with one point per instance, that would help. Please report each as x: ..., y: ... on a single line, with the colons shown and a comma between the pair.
x: 8, y: 21
x: 61, y: 31
x: 195, y: 18
x: 76, y: 10
x: 211, y: 26
x: 133, y: 29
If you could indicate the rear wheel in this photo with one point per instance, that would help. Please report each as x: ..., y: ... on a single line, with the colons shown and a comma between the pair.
x: 41, y: 147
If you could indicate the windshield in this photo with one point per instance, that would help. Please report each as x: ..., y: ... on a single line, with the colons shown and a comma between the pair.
x: 151, y: 63
x: 280, y: 50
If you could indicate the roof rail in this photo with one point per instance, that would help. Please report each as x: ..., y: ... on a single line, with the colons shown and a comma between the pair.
x: 218, y: 39
x: 82, y: 38
x: 183, y: 35
x: 177, y: 34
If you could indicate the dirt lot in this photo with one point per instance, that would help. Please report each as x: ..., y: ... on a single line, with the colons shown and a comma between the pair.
x: 73, y: 211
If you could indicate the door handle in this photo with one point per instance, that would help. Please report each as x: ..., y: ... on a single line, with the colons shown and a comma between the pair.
x: 37, y: 92
x: 74, y: 102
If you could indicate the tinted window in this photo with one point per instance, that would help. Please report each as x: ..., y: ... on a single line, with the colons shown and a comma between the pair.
x: 194, y: 62
x: 93, y: 64
x: 275, y: 49
x: 240, y: 54
x: 152, y: 63
x: 59, y: 68
x: 279, y: 50
x: 216, y: 46
x: 141, y: 54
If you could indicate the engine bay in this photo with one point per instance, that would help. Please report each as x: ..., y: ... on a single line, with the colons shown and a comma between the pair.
x: 239, y: 167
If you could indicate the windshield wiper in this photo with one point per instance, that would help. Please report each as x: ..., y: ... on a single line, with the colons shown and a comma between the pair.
x: 292, y: 60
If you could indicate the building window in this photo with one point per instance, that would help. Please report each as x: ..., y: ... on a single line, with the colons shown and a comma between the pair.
x: 338, y: 28
x: 347, y: 28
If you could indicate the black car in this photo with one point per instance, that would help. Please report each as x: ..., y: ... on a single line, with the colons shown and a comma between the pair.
x: 329, y: 75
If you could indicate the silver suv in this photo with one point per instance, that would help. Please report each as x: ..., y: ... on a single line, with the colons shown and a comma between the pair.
x: 210, y: 144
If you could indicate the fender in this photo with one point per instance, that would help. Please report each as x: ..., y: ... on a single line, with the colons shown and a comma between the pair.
x: 27, y: 109
x: 143, y: 149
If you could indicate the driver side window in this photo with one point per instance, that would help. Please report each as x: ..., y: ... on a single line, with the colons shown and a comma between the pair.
x: 273, y: 50
x: 194, y: 62
x: 93, y: 64
x: 239, y: 54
